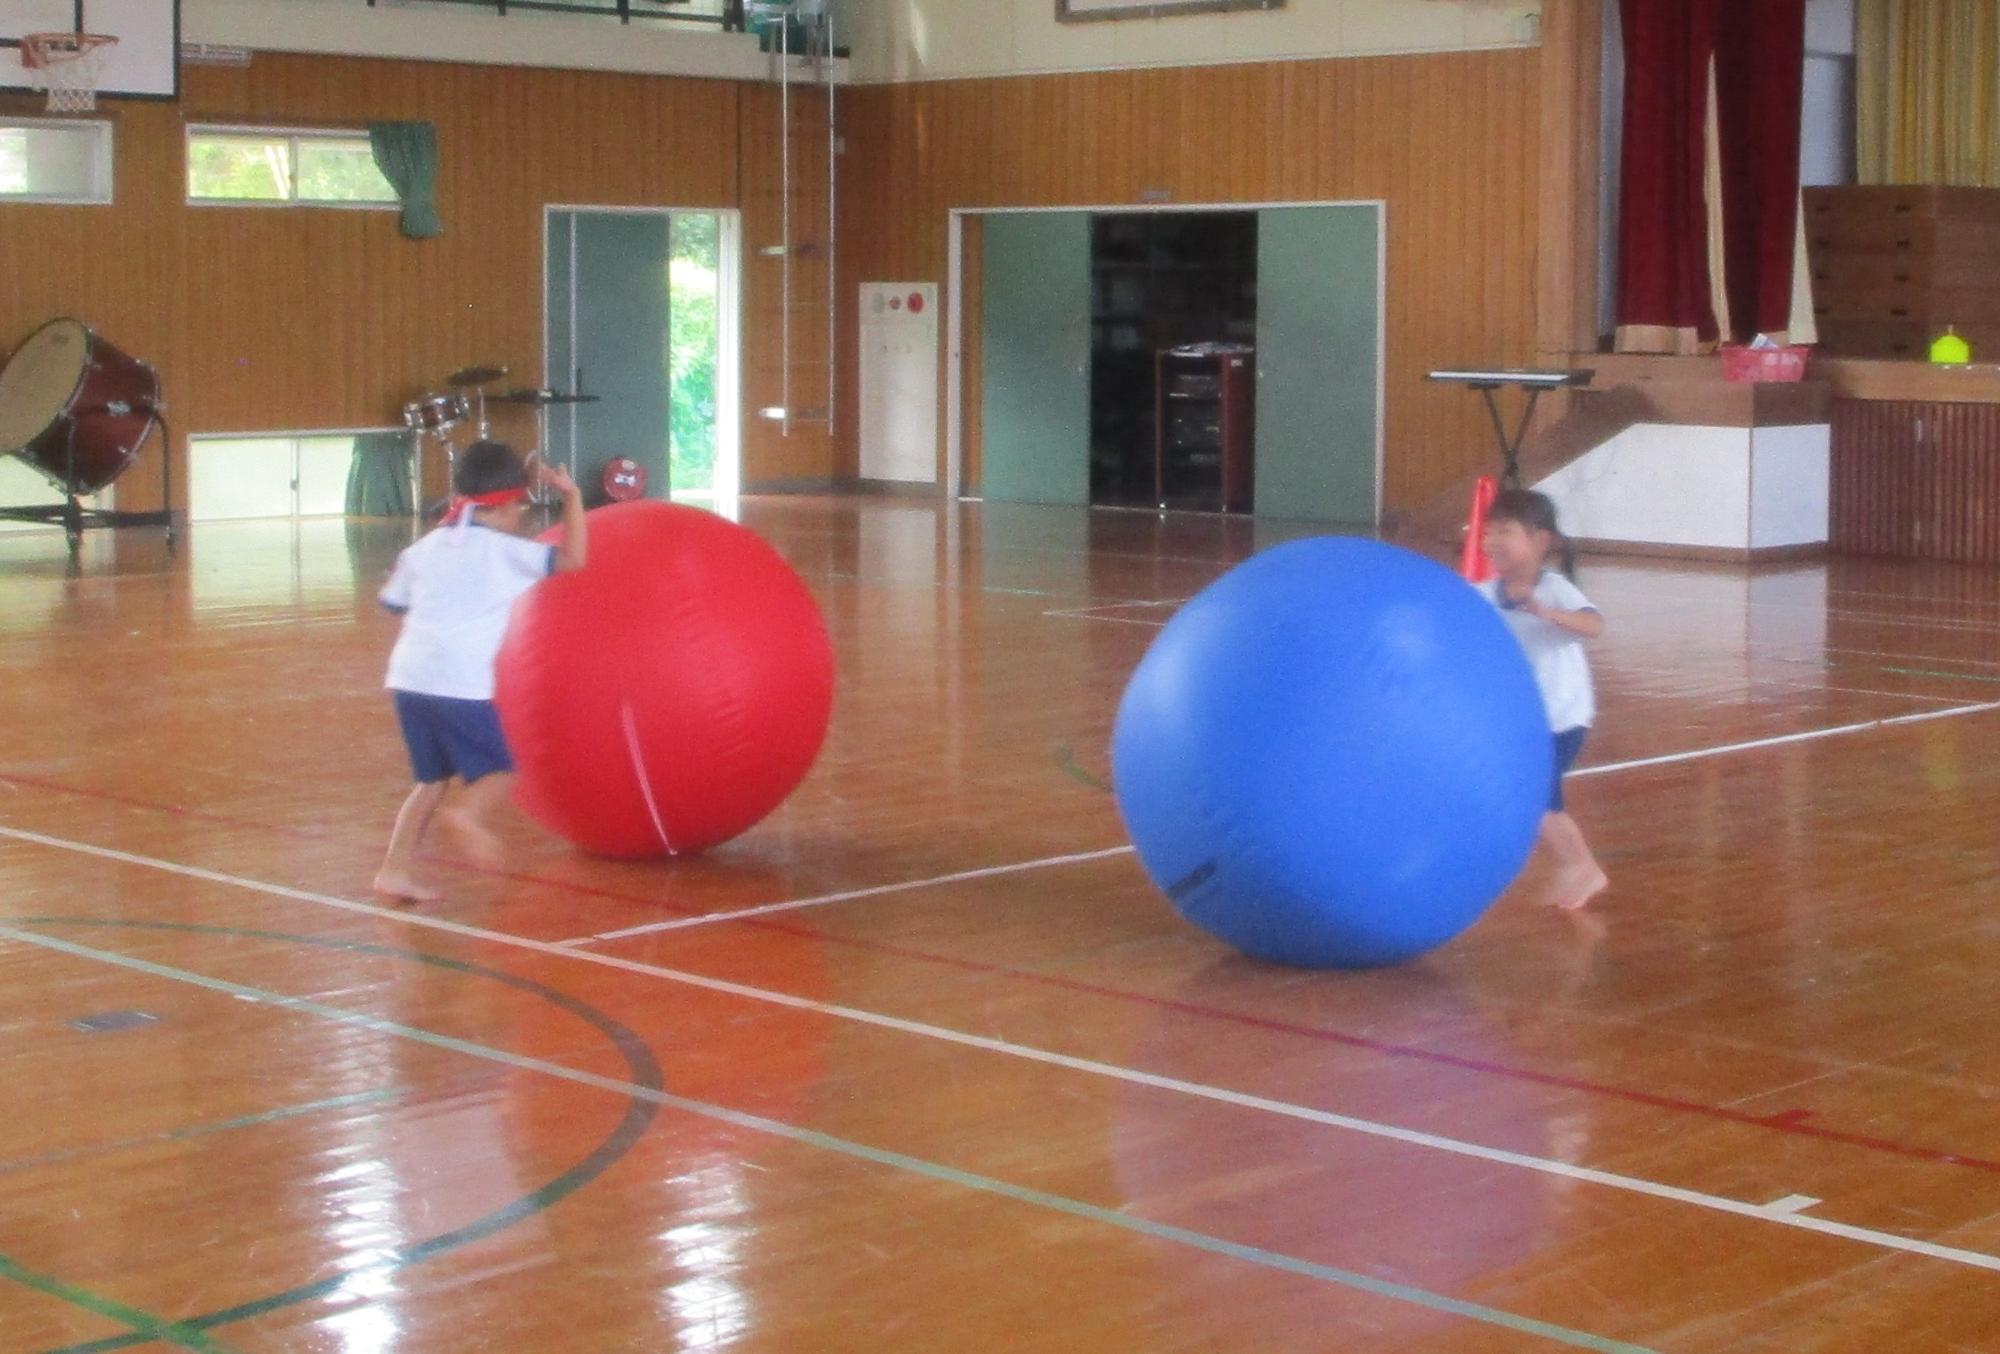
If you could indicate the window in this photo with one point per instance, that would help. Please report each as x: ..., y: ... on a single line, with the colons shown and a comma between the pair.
x: 278, y: 168
x: 47, y: 160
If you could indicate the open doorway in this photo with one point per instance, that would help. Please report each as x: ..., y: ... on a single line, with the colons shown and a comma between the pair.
x: 642, y: 349
x: 1173, y: 297
x: 1120, y: 355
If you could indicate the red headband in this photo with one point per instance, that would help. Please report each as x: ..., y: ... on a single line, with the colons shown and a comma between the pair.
x: 498, y: 498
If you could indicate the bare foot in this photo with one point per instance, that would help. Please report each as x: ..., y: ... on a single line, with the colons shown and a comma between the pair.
x: 473, y: 839
x: 403, y: 889
x: 1576, y: 894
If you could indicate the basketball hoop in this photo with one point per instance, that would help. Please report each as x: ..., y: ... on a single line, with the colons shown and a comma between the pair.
x: 66, y: 67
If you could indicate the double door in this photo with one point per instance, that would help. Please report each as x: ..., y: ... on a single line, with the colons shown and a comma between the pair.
x: 1318, y: 378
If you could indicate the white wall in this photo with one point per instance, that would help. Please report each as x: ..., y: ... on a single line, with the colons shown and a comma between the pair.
x: 1790, y: 486
x: 1826, y: 128
x: 952, y: 39
x: 1707, y: 488
x: 416, y: 33
x: 892, y: 39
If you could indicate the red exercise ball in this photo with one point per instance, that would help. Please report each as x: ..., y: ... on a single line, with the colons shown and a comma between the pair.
x: 669, y: 694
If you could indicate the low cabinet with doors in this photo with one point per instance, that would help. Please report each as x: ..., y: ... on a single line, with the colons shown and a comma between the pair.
x: 1916, y: 479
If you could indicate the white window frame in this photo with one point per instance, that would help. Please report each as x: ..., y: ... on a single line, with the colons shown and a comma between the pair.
x: 106, y: 169
x: 295, y: 135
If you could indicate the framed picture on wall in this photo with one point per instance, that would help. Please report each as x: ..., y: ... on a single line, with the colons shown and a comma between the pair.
x: 1090, y: 11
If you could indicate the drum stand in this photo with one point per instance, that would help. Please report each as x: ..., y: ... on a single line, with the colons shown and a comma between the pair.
x: 74, y: 518
x: 436, y: 508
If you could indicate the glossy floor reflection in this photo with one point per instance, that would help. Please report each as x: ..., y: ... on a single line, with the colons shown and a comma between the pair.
x: 923, y: 1063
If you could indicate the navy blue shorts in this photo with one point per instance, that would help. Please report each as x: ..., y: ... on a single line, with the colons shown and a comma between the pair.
x: 449, y: 737
x: 1569, y: 746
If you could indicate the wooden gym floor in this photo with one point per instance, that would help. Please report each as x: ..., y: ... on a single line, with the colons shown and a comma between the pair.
x: 923, y: 1064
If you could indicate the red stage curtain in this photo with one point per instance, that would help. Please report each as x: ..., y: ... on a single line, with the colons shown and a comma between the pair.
x: 1760, y: 62
x: 1663, y: 280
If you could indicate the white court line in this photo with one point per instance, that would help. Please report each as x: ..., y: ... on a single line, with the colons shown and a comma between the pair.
x: 1792, y: 1203
x: 1808, y: 736
x: 1863, y: 691
x: 1093, y: 613
x: 1045, y: 862
x: 823, y: 899
x: 1629, y: 1184
x: 847, y: 1147
x: 1106, y: 620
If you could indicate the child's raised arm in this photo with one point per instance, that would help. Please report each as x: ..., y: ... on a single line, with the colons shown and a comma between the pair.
x: 575, y: 546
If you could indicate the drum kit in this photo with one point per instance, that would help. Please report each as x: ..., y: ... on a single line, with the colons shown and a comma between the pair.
x: 438, y: 414
x: 79, y: 409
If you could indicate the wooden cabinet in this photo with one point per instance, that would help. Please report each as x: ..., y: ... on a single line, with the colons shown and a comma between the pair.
x: 1203, y: 426
x: 1893, y: 266
x: 1916, y: 480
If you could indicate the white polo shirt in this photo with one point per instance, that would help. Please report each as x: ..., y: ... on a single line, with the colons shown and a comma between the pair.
x: 1561, y: 668
x: 455, y: 589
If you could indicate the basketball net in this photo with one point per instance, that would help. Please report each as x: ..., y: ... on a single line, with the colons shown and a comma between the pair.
x: 66, y: 66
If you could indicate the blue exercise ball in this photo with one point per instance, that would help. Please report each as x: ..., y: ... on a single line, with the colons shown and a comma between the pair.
x: 1334, y: 756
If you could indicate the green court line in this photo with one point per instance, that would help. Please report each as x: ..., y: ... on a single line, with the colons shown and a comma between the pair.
x: 1366, y: 1283
x: 151, y: 1327
x: 640, y: 1065
x: 1927, y: 672
x: 193, y: 1131
x: 1066, y: 761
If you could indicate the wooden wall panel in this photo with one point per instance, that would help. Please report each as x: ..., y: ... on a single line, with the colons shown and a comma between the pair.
x: 266, y: 319
x: 1447, y: 141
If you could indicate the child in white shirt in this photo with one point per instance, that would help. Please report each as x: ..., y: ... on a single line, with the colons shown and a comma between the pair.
x: 454, y: 590
x: 1552, y: 619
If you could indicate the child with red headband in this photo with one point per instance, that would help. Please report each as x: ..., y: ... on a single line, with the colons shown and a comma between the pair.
x: 454, y: 590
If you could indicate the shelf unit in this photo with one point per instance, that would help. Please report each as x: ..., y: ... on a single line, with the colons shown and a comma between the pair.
x: 1204, y: 420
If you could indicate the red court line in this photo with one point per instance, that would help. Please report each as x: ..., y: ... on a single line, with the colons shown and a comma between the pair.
x: 1792, y: 1121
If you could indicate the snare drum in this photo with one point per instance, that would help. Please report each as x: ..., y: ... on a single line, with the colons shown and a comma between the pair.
x: 76, y: 408
x: 437, y: 413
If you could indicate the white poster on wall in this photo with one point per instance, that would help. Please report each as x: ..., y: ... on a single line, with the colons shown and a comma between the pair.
x: 899, y: 382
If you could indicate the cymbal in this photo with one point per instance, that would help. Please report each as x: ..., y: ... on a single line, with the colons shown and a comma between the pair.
x: 475, y: 376
x: 540, y: 397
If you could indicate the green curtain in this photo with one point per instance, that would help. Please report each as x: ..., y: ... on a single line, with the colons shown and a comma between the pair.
x: 407, y: 155
x: 378, y: 480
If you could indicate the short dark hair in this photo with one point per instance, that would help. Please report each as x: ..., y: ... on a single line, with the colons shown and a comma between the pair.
x: 487, y: 467
x: 1536, y: 512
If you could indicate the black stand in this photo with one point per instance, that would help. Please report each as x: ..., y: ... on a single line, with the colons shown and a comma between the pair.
x: 75, y: 519
x: 1534, y: 382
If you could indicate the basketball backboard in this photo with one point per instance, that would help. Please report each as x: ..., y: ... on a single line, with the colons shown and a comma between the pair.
x: 144, y: 65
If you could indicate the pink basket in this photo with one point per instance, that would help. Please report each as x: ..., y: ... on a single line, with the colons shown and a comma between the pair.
x: 1763, y: 364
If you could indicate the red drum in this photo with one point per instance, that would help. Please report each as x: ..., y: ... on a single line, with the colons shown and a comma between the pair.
x: 76, y: 408
x: 624, y: 479
x: 436, y: 413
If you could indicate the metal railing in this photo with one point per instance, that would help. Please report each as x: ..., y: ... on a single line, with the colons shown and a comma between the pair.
x: 727, y: 15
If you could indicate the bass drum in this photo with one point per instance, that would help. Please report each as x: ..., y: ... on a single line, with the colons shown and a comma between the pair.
x: 75, y: 407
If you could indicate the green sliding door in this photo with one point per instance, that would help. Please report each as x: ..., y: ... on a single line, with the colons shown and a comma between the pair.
x: 1035, y: 401
x: 1318, y: 362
